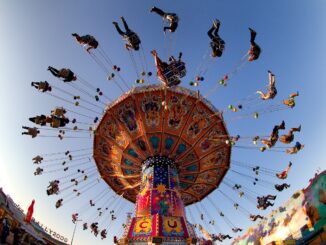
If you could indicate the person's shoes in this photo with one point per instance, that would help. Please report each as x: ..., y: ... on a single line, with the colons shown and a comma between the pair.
x: 216, y: 22
x: 49, y: 67
x: 121, y: 17
x: 153, y: 52
x: 299, y: 128
x: 152, y: 9
x: 252, y: 30
x: 282, y: 126
x: 115, y: 23
x: 270, y: 72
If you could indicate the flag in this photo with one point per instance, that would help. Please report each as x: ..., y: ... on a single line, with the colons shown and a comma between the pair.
x: 29, y: 212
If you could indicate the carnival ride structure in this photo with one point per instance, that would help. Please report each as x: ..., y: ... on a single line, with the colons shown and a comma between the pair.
x: 158, y: 145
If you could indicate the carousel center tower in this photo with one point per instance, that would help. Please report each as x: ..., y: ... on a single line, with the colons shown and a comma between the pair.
x: 162, y: 149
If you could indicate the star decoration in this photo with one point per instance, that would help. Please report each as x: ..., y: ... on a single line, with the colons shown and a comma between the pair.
x: 161, y: 188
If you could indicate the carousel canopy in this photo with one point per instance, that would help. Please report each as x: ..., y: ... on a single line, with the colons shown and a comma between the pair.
x: 157, y: 121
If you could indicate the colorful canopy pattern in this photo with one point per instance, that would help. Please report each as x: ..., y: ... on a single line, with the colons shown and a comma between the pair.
x: 157, y: 121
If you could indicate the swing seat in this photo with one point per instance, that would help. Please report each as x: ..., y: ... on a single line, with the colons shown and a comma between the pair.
x: 174, y: 81
x: 170, y: 78
x: 176, y: 68
x: 180, y: 66
x: 174, y: 72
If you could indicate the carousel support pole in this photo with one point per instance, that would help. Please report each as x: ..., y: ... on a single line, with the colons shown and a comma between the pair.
x: 73, y: 234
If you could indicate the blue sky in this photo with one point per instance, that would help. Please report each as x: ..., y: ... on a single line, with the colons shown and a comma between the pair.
x: 36, y: 34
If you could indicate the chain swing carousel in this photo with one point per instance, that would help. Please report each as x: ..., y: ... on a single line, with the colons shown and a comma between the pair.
x: 177, y: 152
x: 160, y: 146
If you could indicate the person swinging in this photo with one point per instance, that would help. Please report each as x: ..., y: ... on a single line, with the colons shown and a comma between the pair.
x: 288, y: 138
x: 284, y: 174
x: 86, y: 40
x: 295, y: 149
x: 290, y: 102
x: 133, y: 41
x: 272, y: 91
x: 217, y: 44
x: 42, y: 86
x: 66, y: 74
x: 274, y: 136
x: 172, y: 18
x: 254, y: 51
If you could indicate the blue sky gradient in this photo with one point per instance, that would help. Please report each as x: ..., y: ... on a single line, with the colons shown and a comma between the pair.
x: 36, y: 34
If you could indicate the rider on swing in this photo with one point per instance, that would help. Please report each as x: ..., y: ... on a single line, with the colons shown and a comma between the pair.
x: 130, y: 36
x: 169, y: 73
